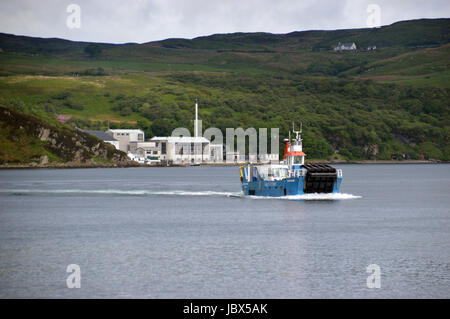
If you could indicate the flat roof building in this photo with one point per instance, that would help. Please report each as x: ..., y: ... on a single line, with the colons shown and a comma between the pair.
x: 125, y: 136
x: 187, y: 149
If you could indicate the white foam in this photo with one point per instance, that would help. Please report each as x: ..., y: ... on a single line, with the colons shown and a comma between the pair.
x: 200, y: 193
x: 313, y: 196
x: 119, y: 192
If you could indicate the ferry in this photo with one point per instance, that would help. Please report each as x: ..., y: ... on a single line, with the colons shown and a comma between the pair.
x: 292, y: 177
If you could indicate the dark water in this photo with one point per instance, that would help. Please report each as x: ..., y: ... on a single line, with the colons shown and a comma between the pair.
x: 187, y: 233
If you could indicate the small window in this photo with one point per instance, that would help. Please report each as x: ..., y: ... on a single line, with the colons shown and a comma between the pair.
x: 297, y: 159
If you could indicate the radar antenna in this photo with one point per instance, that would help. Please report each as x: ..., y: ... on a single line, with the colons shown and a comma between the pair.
x: 297, y: 133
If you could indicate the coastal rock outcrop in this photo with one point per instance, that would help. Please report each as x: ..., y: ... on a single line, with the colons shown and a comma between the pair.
x: 27, y: 139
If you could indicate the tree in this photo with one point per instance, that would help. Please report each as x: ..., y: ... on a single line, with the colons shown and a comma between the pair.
x: 162, y: 127
x: 93, y: 50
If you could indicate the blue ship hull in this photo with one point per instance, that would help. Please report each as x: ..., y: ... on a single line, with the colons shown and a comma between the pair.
x: 285, y: 187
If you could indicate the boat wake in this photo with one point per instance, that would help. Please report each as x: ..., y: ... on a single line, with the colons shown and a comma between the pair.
x: 116, y: 192
x: 310, y: 197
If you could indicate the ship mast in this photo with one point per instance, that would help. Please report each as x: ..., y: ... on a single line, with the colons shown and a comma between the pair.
x: 294, y: 150
x: 298, y: 137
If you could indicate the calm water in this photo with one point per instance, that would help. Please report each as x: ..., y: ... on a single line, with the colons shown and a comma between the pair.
x: 187, y: 233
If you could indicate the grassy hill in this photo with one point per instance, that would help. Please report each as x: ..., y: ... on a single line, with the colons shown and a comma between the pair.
x: 26, y: 139
x: 379, y: 104
x: 237, y: 52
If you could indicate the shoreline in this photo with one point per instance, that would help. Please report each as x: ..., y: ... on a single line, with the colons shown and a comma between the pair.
x: 104, y: 165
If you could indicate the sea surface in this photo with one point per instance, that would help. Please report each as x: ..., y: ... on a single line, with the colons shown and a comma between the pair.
x: 187, y: 232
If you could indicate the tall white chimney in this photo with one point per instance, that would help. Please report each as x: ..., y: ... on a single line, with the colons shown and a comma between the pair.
x: 196, y: 119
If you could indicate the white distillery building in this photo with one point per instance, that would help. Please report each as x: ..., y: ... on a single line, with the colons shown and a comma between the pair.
x: 146, y: 152
x: 125, y: 137
x: 187, y: 149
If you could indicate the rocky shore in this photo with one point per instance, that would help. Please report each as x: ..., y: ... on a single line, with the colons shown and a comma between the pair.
x: 68, y: 165
x: 29, y: 142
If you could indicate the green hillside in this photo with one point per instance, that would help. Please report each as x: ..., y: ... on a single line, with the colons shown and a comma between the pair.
x: 26, y: 139
x: 392, y: 102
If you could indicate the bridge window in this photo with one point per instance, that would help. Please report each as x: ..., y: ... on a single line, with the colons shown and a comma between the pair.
x: 298, y: 159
